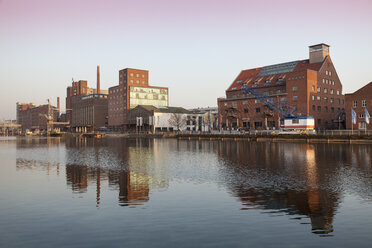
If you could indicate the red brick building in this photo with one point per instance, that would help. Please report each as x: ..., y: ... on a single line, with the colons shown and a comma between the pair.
x: 34, y: 118
x: 311, y: 85
x: 359, y: 101
x: 133, y: 90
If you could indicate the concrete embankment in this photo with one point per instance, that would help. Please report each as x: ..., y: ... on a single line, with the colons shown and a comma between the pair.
x: 281, y: 138
x: 354, y: 139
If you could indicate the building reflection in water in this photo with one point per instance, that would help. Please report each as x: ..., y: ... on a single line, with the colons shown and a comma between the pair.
x: 294, y: 179
x: 131, y: 167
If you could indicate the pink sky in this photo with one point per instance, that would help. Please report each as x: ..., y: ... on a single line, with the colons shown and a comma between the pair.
x: 184, y: 44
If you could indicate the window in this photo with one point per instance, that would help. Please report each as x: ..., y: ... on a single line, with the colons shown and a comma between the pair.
x: 325, y: 90
x: 332, y: 109
x: 234, y: 104
x: 362, y: 125
x: 326, y: 72
x: 295, y: 121
x: 331, y: 100
x: 283, y: 99
x: 323, y: 81
x: 325, y: 99
x: 330, y: 73
x: 313, y: 88
x: 143, y: 76
x: 364, y: 103
x: 331, y: 91
x: 256, y: 101
x: 314, y: 107
x: 313, y: 97
x: 319, y: 108
x: 325, y: 109
x: 333, y: 82
x: 318, y: 98
x: 361, y: 115
x: 338, y: 92
x: 258, y: 110
x: 338, y: 101
x: 233, y: 88
x: 245, y: 102
x: 295, y: 88
x: 355, y: 104
x: 225, y: 103
x: 295, y: 98
x: 131, y: 74
x: 246, y: 111
x: 318, y: 89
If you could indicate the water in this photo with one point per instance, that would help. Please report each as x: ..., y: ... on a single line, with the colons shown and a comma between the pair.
x: 178, y: 193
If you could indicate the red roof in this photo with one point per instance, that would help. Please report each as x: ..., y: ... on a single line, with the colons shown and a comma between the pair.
x: 270, y: 75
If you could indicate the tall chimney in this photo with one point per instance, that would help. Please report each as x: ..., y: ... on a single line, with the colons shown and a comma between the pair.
x: 58, y: 103
x: 98, y: 81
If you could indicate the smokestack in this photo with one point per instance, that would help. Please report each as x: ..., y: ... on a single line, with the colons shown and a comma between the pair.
x: 58, y: 103
x: 98, y: 81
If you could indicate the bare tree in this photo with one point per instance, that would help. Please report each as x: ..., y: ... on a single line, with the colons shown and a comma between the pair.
x: 177, y: 120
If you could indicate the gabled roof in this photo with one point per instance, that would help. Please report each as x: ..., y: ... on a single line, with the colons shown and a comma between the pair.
x: 362, y: 89
x: 272, y: 74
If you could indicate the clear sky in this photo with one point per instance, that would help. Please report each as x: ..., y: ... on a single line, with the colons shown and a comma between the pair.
x: 194, y: 47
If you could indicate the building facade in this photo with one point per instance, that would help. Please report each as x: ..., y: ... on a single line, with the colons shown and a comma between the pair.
x: 133, y: 90
x: 311, y: 86
x: 89, y: 112
x: 359, y: 101
x: 35, y: 118
x: 164, y: 119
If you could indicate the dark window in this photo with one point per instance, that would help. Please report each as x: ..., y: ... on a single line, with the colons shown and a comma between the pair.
x: 325, y: 109
x: 332, y: 109
x: 319, y: 108
x: 246, y: 111
x: 257, y: 124
x: 314, y: 107
x: 258, y: 110
x: 319, y: 121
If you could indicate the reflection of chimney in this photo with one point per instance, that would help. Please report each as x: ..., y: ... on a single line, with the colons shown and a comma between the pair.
x: 98, y: 81
x: 58, y: 103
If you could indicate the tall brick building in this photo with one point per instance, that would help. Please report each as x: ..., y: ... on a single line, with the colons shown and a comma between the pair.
x: 133, y: 90
x: 311, y: 85
x: 86, y: 108
x: 358, y: 101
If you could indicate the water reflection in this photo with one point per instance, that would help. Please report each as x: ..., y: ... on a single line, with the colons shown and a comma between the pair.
x: 307, y: 182
x: 295, y: 179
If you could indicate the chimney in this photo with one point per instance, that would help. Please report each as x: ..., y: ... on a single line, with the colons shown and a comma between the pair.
x: 58, y: 103
x: 317, y: 53
x: 98, y: 81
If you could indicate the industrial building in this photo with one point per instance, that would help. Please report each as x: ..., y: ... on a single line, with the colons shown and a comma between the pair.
x: 359, y: 101
x: 86, y: 107
x: 133, y: 90
x: 35, y: 118
x: 311, y: 86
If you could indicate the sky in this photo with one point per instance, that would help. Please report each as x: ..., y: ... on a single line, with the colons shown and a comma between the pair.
x: 196, y: 48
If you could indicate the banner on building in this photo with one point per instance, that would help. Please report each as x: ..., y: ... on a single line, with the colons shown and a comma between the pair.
x: 353, y: 116
x: 366, y: 115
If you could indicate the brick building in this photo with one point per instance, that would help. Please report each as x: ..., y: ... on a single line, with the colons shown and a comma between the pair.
x: 133, y: 90
x: 359, y: 101
x: 311, y: 85
x: 34, y: 118
x: 89, y: 112
x: 80, y: 88
x: 86, y: 107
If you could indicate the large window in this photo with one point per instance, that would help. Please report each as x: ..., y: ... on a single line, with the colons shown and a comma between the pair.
x: 148, y: 96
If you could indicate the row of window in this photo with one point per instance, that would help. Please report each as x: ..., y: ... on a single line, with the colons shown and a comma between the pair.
x: 117, y: 90
x: 325, y: 90
x: 355, y: 103
x: 328, y: 73
x: 295, y: 78
x: 325, y: 99
x: 132, y: 75
x: 325, y: 109
x: 330, y: 82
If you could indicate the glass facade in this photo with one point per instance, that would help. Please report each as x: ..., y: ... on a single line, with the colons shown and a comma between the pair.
x: 147, y: 96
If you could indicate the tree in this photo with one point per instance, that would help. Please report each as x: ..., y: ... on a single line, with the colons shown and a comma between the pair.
x: 177, y: 120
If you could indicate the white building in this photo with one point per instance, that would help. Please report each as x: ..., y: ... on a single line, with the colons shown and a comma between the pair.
x: 164, y: 119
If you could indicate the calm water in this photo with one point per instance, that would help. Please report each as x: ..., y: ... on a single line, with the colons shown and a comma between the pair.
x: 170, y: 193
